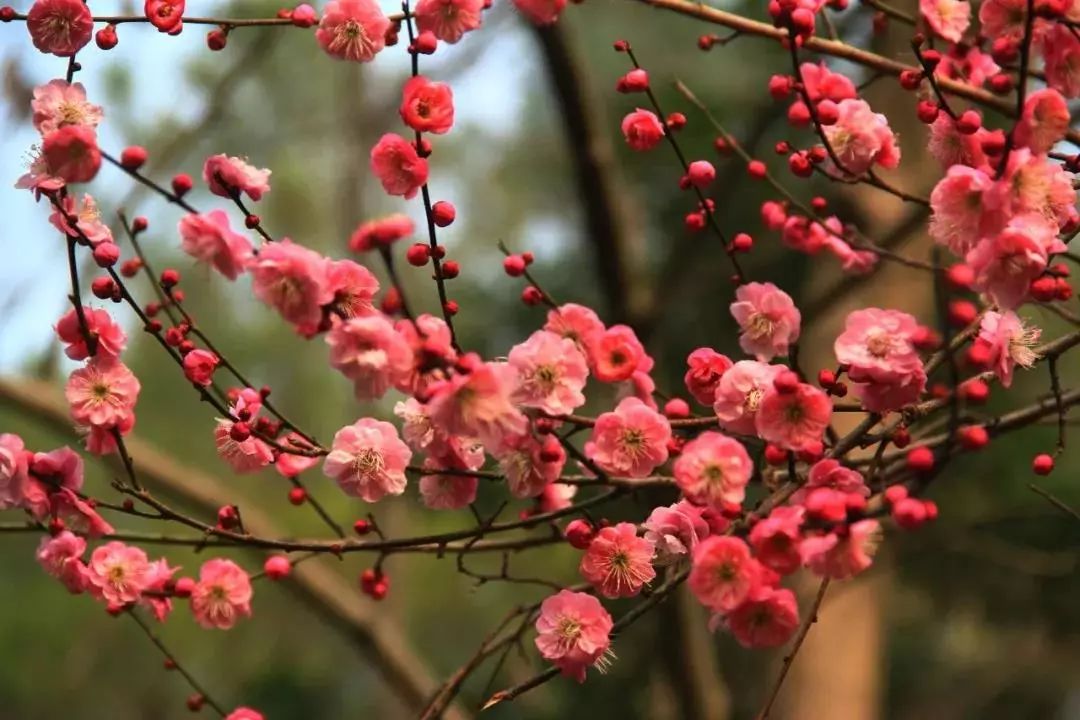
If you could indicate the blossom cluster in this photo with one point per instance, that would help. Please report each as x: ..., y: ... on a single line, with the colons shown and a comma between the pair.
x: 758, y: 483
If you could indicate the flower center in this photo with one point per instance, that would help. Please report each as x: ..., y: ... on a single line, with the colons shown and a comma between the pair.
x: 761, y: 326
x: 753, y: 400
x: 368, y: 462
x: 879, y: 344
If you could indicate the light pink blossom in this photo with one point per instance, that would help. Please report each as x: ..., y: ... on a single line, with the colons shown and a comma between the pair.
x: 61, y: 557
x: 226, y: 175
x: 824, y: 84
x: 573, y: 632
x: 551, y: 373
x: 576, y: 322
x: 947, y: 18
x: 478, y: 404
x: 292, y: 279
x: 1006, y: 263
x: 675, y: 531
x: 768, y: 318
x: 842, y: 557
x: 1044, y: 122
x: 739, y: 392
x: 118, y: 573
x: 959, y: 211
x: 713, y: 469
x: 862, y: 138
x: 102, y: 393
x: 222, y: 595
x: 368, y: 460
x: 1010, y: 343
x: 529, y: 464
x: 878, y: 345
x: 88, y: 222
x: 56, y: 103
x: 209, y: 239
x: 13, y: 470
x: 371, y: 353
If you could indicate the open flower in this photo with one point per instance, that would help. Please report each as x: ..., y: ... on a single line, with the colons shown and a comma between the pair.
x: 368, y: 460
x: 551, y: 373
x: 118, y: 573
x: 352, y: 29
x: 618, y: 562
x: 713, y: 469
x: 573, y: 632
x: 631, y: 440
x: 222, y: 595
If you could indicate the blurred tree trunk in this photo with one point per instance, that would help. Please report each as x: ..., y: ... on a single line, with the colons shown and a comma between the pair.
x: 839, y: 670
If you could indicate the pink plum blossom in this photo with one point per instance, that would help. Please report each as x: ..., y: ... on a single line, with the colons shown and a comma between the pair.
x: 13, y: 470
x: 448, y: 20
x: 723, y: 573
x: 102, y: 393
x: 222, y: 594
x: 478, y: 404
x: 768, y: 318
x: 292, y: 279
x: 948, y: 18
x: 398, y: 167
x: 767, y: 618
x: 705, y: 368
x: 739, y: 393
x: 118, y: 573
x: 775, y: 538
x: 368, y: 460
x: 57, y: 103
x: 551, y: 373
x: 1010, y: 343
x: 573, y: 632
x: 862, y: 138
x: 675, y: 531
x: 226, y: 175
x: 110, y: 339
x: 371, y: 353
x: 618, y: 562
x: 793, y: 420
x: 59, y: 27
x: 209, y: 239
x: 61, y: 557
x: 842, y: 557
x: 352, y: 29
x: 630, y: 440
x: 713, y: 469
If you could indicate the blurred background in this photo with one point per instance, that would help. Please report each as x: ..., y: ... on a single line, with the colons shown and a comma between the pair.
x: 973, y: 617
